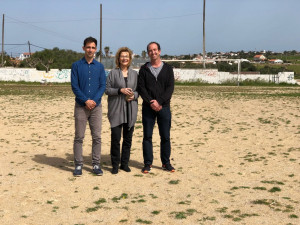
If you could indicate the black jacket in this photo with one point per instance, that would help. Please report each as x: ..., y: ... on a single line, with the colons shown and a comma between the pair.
x: 160, y: 89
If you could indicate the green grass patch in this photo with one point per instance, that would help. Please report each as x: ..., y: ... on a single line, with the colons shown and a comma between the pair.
x: 92, y: 209
x: 123, y: 196
x: 293, y: 216
x: 100, y: 201
x: 260, y: 188
x: 183, y: 215
x: 143, y: 221
x: 208, y: 218
x: 174, y: 181
x: 275, y: 189
x: 156, y: 212
x: 272, y: 182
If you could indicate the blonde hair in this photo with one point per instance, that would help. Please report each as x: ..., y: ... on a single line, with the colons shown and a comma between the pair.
x: 117, y: 58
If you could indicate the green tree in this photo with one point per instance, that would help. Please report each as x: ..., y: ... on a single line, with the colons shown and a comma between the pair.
x: 209, y: 54
x: 6, y: 60
x: 52, y: 59
x: 294, y: 52
x: 247, y: 66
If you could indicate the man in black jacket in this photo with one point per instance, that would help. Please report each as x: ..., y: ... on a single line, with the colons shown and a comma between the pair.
x: 156, y: 86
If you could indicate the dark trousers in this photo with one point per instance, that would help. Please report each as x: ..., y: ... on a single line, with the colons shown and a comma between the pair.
x: 115, y: 144
x: 164, y: 125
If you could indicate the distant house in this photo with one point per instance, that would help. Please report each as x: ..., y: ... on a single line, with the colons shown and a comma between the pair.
x: 25, y: 55
x: 259, y: 58
x: 198, y: 57
x: 276, y: 61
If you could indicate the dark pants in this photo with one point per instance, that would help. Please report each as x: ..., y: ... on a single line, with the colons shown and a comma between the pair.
x: 164, y: 125
x: 115, y: 145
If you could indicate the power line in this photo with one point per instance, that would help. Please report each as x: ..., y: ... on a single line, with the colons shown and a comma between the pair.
x: 26, y: 44
x: 109, y: 18
x: 38, y: 46
x: 12, y: 48
x: 154, y: 18
x: 60, y: 21
x: 14, y: 44
x: 45, y: 30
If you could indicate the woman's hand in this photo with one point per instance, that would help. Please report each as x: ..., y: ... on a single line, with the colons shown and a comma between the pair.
x: 129, y: 97
x: 126, y: 91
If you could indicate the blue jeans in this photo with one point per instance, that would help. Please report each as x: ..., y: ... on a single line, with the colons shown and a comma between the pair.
x: 164, y: 125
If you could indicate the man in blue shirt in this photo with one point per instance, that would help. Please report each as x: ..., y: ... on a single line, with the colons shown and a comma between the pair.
x: 88, y: 82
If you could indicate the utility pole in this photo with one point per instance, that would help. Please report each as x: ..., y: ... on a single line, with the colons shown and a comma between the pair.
x: 204, y: 34
x: 29, y: 49
x: 100, y: 33
x: 239, y: 72
x: 2, y: 64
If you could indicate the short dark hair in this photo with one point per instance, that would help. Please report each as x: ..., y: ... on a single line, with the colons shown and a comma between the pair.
x: 153, y: 42
x: 89, y: 40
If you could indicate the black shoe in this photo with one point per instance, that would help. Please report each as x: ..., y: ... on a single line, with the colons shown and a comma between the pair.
x: 125, y: 168
x: 146, y: 168
x: 168, y: 167
x: 78, y: 171
x: 97, y: 170
x: 114, y: 170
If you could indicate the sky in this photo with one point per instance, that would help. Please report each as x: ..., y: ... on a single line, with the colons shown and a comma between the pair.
x: 231, y: 25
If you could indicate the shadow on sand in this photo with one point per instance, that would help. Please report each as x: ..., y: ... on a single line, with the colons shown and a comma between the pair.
x: 67, y: 163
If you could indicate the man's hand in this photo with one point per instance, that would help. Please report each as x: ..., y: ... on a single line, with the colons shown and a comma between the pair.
x: 90, y: 104
x: 155, y: 105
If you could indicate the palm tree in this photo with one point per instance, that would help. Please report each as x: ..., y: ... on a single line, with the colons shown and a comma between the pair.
x: 204, y: 34
x: 144, y: 54
x: 106, y: 50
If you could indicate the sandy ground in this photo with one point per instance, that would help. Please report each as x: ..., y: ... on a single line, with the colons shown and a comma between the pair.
x: 236, y: 152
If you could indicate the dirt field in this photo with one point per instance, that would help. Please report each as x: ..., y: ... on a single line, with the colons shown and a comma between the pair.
x: 235, y: 149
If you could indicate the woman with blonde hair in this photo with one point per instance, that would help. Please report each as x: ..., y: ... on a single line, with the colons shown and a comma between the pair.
x: 122, y: 98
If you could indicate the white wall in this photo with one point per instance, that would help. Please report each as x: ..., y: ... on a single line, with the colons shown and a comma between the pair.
x: 208, y: 75
x: 213, y: 76
x: 33, y: 75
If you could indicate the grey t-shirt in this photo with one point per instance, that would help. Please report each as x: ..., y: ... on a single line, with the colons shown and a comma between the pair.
x: 155, y: 70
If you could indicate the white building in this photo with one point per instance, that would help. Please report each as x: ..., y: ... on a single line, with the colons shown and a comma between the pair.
x: 276, y: 61
x: 25, y: 55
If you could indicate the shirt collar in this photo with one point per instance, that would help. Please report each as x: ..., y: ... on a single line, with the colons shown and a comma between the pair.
x: 84, y: 61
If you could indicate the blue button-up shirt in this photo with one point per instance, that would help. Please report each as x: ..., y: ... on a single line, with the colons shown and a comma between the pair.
x: 88, y: 81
